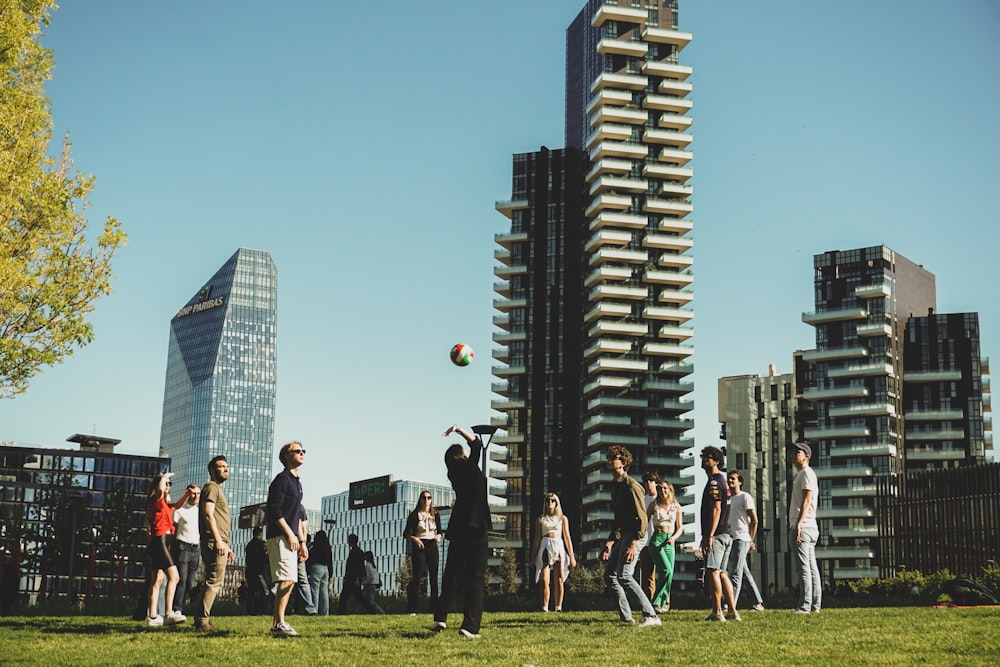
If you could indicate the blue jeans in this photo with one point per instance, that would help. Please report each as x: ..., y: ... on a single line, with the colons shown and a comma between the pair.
x: 305, y: 592
x: 619, y: 576
x: 739, y: 570
x: 810, y: 588
x: 319, y: 582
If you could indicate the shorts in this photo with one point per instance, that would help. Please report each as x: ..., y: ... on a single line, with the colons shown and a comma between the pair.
x: 159, y: 552
x: 718, y: 557
x: 284, y: 561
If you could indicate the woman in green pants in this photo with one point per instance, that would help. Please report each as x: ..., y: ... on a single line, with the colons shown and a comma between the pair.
x: 666, y: 523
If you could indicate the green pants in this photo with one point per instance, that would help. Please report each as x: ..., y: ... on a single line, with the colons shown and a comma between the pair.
x: 662, y: 551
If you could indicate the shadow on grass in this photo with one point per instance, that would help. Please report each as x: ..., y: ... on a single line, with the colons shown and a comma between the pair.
x: 58, y: 627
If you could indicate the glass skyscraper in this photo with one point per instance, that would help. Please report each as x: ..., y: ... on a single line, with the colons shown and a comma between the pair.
x: 221, y: 378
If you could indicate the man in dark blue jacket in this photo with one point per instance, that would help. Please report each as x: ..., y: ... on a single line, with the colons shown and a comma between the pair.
x: 284, y: 501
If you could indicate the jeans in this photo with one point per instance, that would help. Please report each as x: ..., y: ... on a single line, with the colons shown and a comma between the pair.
x: 739, y: 570
x: 305, y: 591
x: 319, y: 582
x: 810, y: 588
x: 368, y: 599
x: 186, y: 559
x: 661, y: 552
x: 620, y: 577
x: 424, y: 561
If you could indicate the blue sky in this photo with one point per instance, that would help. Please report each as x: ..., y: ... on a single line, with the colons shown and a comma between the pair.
x: 364, y: 144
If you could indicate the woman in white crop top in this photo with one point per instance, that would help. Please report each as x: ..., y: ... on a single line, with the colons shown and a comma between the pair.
x: 665, y: 524
x: 553, y: 550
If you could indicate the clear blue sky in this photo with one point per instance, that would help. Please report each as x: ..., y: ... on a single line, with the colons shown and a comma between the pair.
x: 364, y: 144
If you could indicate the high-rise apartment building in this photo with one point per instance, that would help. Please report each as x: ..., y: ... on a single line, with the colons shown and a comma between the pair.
x: 221, y: 379
x: 594, y: 324
x: 864, y: 298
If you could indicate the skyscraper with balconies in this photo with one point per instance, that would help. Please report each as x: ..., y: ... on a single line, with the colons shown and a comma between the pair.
x: 221, y: 380
x: 595, y: 311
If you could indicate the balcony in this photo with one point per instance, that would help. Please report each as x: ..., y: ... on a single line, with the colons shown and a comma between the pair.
x: 508, y: 438
x: 507, y: 208
x: 502, y: 321
x: 675, y: 296
x: 668, y: 350
x: 617, y: 184
x: 604, y: 439
x: 617, y: 292
x: 608, y: 97
x: 933, y: 415
x: 671, y: 331
x: 932, y: 376
x: 606, y: 273
x: 608, y: 131
x: 839, y: 315
x: 618, y: 255
x: 508, y: 271
x: 615, y: 80
x: 505, y: 405
x: 622, y: 47
x: 669, y: 386
x: 665, y: 36
x: 676, y: 405
x: 667, y: 461
x: 509, y: 304
x: 674, y: 121
x: 616, y: 13
x: 604, y: 202
x: 675, y: 225
x: 835, y: 353
x: 605, y: 421
x: 614, y: 114
x: 984, y: 365
x: 501, y: 388
x: 834, y: 432
x: 610, y: 148
x: 664, y: 277
x: 934, y: 454
x: 665, y: 171
x: 608, y: 166
x: 671, y: 70
x: 675, y: 156
x: 860, y: 370
x: 672, y: 314
x: 860, y: 531
x: 507, y: 371
x: 674, y: 260
x: 844, y: 513
x: 673, y: 87
x: 874, y: 329
x: 620, y: 364
x: 863, y: 410
x: 676, y: 368
x: 509, y: 239
x: 608, y: 346
x: 605, y: 309
x: 601, y: 475
x: 935, y: 435
x: 668, y: 206
x: 873, y: 291
x: 501, y: 354
x: 835, y: 472
x: 851, y: 391
x: 616, y: 402
x: 608, y: 237
x: 612, y: 327
x: 664, y: 242
x: 612, y: 219
x: 672, y: 190
x: 677, y: 105
x: 867, y: 449
x: 860, y: 491
x: 834, y: 553
x: 502, y: 288
x: 668, y: 137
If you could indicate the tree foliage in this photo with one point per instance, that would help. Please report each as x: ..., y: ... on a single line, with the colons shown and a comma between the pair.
x: 50, y: 276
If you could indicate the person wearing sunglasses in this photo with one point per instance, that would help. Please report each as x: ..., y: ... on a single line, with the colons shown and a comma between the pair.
x: 667, y: 523
x: 160, y: 523
x: 284, y: 512
x: 422, y: 533
x: 553, y: 551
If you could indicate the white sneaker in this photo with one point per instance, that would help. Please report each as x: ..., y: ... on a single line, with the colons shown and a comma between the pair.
x: 734, y: 616
x: 716, y: 617
x: 438, y: 626
x: 154, y: 622
x: 175, y: 617
x: 283, y: 630
x: 650, y: 621
x: 469, y: 635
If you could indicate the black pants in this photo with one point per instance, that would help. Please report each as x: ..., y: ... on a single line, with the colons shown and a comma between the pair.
x: 466, y: 566
x: 348, y: 588
x: 423, y: 561
x: 186, y: 558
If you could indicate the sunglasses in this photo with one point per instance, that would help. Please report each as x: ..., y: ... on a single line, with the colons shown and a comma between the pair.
x: 296, y: 451
x: 425, y: 496
x: 551, y: 500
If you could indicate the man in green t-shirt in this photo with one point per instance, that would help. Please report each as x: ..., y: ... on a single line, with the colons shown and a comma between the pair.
x: 213, y: 520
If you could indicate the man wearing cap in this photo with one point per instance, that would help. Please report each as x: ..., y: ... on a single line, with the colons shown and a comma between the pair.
x: 805, y: 531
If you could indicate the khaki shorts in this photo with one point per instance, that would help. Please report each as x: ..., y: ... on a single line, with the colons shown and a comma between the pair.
x: 284, y: 561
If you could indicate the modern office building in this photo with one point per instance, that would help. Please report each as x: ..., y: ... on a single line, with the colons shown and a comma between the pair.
x: 943, y: 391
x: 759, y: 418
x: 220, y: 382
x: 594, y: 323
x: 379, y: 521
x: 72, y: 521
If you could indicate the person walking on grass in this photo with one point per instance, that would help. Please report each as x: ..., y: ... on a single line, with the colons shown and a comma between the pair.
x: 467, y: 533
x: 716, y: 538
x: 743, y: 522
x: 666, y: 522
x: 370, y: 584
x: 214, y: 523
x: 160, y: 523
x: 354, y: 572
x: 553, y: 550
x: 284, y: 508
x: 423, y: 533
x: 628, y: 536
x: 645, y: 572
x: 805, y: 529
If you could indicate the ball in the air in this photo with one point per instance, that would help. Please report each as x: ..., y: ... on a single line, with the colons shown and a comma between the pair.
x: 462, y: 354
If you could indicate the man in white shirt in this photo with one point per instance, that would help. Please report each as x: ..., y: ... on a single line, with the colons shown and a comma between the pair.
x: 743, y: 522
x: 187, y: 546
x: 805, y: 530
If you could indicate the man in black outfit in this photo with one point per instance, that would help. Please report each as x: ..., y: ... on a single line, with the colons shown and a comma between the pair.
x: 354, y: 570
x: 258, y: 573
x: 467, y: 534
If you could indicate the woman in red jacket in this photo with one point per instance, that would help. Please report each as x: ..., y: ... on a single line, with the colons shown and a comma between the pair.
x: 160, y: 523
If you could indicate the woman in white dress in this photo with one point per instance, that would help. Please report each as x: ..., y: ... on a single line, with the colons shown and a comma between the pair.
x: 553, y: 550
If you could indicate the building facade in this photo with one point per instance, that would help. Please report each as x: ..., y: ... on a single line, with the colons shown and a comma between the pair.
x: 73, y: 521
x: 221, y: 380
x: 594, y: 325
x: 379, y: 528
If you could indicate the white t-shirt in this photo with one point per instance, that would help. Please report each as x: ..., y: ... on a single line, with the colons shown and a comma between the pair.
x: 740, y: 506
x: 186, y: 520
x: 805, y: 480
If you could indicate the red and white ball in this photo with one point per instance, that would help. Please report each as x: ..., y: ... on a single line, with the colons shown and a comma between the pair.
x: 462, y: 354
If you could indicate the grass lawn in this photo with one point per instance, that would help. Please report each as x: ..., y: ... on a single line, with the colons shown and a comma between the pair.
x: 856, y: 636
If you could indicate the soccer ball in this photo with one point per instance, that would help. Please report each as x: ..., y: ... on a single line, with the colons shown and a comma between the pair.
x: 462, y: 354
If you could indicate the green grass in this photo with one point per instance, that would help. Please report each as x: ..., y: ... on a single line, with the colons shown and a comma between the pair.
x: 868, y: 636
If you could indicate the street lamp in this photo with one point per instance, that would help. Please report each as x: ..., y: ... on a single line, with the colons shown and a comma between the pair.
x: 481, y: 430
